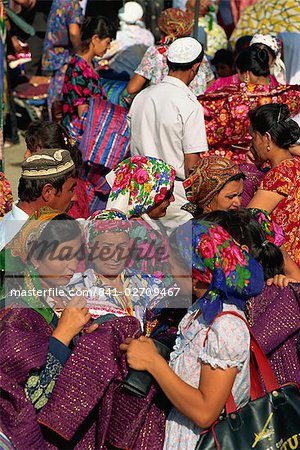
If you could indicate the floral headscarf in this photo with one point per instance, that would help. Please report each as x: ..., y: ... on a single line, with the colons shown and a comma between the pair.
x: 105, y: 221
x: 139, y: 183
x: 175, y: 23
x: 207, y: 178
x: 218, y: 260
x: 272, y: 231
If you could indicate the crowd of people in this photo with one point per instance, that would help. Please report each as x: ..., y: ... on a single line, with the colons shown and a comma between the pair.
x: 157, y: 221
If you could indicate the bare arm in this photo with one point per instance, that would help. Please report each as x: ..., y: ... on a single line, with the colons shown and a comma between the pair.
x: 202, y: 405
x: 190, y: 159
x: 295, y: 150
x: 265, y: 200
x: 136, y: 84
x: 74, y: 33
x: 291, y: 269
x: 81, y: 109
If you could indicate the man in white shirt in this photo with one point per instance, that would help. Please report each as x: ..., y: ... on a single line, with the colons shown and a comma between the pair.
x: 48, y: 178
x: 167, y: 121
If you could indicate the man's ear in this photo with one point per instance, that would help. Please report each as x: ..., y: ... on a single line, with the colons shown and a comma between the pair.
x: 48, y: 193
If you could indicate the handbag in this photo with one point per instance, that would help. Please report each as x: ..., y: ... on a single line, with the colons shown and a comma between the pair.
x: 139, y: 382
x: 266, y: 422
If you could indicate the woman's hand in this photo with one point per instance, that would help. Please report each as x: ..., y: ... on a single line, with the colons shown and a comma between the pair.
x: 16, y: 44
x: 140, y: 353
x: 74, y: 317
x: 280, y: 281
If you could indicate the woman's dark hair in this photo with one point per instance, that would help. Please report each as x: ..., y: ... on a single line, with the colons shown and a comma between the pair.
x: 265, y: 47
x: 47, y: 134
x: 100, y: 26
x: 275, y: 119
x: 254, y: 59
x: 30, y: 190
x: 59, y: 230
x: 246, y: 230
x: 185, y: 66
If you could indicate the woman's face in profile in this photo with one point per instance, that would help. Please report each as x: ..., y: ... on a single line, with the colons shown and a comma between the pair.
x: 57, y: 267
x: 227, y: 198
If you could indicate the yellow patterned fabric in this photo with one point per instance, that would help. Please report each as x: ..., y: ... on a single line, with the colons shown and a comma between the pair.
x: 268, y: 17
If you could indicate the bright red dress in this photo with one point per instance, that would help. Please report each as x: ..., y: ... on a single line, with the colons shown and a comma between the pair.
x: 285, y: 180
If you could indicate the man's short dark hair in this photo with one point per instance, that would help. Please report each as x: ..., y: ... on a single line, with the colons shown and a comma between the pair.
x: 185, y: 66
x: 30, y: 190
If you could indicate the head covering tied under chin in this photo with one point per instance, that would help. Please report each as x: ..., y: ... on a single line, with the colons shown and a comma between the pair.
x: 217, y: 260
x: 138, y: 184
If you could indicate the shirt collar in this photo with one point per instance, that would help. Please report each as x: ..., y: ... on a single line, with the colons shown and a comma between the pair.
x: 176, y: 82
x: 18, y: 213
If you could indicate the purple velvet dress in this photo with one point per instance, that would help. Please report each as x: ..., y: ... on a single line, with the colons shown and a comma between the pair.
x: 87, y: 407
x: 274, y: 317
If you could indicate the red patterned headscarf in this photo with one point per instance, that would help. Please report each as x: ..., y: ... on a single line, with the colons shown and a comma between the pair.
x: 207, y: 179
x: 175, y: 23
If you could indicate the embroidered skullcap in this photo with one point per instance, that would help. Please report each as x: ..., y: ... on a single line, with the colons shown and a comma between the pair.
x: 175, y: 23
x: 47, y: 163
x: 207, y: 179
x: 131, y: 12
x: 184, y: 50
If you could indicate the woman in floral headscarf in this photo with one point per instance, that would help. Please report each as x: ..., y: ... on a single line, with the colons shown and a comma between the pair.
x: 280, y: 296
x: 113, y: 287
x: 142, y: 188
x: 173, y: 23
x: 205, y: 368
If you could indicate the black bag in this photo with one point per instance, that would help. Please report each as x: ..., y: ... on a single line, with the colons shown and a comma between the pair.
x: 139, y: 382
x: 268, y: 422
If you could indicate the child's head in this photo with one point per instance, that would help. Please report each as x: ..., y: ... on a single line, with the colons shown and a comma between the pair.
x: 45, y: 134
x: 224, y: 62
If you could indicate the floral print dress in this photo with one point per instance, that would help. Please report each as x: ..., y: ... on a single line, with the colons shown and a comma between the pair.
x: 154, y: 68
x: 228, y: 345
x: 57, y: 44
x: 284, y: 179
x: 81, y: 82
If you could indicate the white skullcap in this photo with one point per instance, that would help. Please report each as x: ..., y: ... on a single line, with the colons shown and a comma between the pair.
x: 184, y: 50
x: 131, y: 12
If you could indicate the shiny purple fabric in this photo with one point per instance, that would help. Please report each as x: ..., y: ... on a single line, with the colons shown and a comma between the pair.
x: 274, y: 316
x: 88, y: 390
x: 24, y: 340
x: 251, y: 183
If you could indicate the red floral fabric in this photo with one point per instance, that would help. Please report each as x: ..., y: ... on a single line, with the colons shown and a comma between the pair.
x: 226, y: 114
x: 284, y: 179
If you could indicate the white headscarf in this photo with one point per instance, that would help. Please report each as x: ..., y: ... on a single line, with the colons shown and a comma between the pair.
x: 277, y: 68
x: 291, y: 49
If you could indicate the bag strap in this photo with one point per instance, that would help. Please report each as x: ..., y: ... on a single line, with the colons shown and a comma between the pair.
x: 258, y: 358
